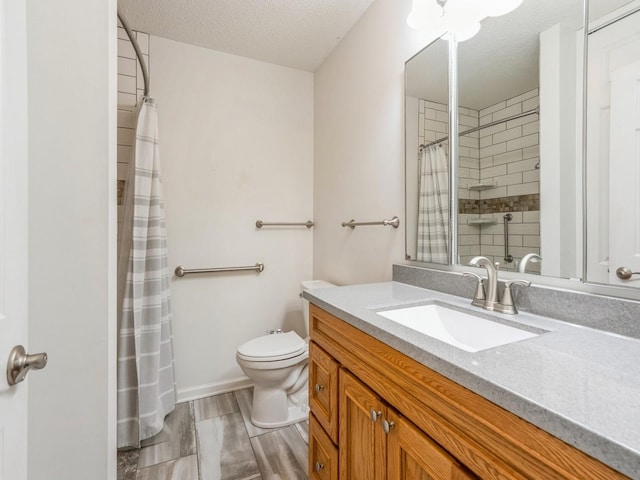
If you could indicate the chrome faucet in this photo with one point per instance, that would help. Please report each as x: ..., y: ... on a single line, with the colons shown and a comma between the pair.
x: 506, y: 305
x: 492, y: 281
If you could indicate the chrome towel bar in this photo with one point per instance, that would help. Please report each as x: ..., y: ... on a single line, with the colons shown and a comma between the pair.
x: 260, y: 224
x: 394, y: 222
x: 181, y: 271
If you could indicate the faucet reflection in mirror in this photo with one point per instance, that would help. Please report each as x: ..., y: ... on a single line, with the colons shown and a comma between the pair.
x: 460, y: 18
x: 530, y: 257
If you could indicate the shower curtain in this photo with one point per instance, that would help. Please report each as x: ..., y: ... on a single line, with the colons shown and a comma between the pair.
x: 146, y: 382
x: 433, y: 206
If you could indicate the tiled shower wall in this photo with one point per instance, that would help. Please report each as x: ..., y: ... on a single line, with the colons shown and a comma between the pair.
x: 509, y: 157
x: 433, y: 123
x: 502, y: 159
x: 469, y: 168
x: 130, y: 90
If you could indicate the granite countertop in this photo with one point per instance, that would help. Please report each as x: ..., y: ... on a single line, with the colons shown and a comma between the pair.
x: 580, y: 384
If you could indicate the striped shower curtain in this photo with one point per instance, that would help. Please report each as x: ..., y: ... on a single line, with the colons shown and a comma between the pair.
x: 146, y: 384
x: 433, y: 206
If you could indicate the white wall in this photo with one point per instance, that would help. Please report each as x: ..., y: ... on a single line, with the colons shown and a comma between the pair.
x: 359, y: 146
x: 236, y: 145
x: 72, y: 185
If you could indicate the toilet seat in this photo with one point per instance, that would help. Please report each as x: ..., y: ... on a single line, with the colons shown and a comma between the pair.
x: 269, y: 348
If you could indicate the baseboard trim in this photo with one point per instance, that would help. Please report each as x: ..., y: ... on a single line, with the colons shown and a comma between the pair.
x: 201, y: 391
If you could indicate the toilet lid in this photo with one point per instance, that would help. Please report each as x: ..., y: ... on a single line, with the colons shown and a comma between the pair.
x: 273, y: 347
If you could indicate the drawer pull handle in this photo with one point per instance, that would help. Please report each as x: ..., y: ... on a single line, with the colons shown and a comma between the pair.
x: 319, y: 388
x: 319, y: 466
x: 387, y: 426
x: 374, y: 415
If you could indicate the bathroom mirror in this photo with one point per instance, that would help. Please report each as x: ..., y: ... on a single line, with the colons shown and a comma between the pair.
x: 612, y: 147
x: 427, y: 119
x: 519, y: 80
x: 521, y: 168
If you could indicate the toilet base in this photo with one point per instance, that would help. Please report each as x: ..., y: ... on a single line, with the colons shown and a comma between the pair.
x: 269, y: 416
x: 296, y: 414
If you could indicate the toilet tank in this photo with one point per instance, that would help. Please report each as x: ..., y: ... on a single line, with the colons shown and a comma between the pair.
x: 310, y: 285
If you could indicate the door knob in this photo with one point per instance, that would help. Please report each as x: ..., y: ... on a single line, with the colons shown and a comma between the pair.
x: 20, y: 363
x: 624, y: 273
x: 374, y: 415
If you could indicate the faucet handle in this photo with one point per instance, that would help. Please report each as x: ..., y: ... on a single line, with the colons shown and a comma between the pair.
x: 506, y: 304
x: 479, y: 296
x: 471, y: 274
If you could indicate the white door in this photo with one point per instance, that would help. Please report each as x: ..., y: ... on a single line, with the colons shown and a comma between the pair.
x: 13, y: 234
x: 610, y: 49
x: 624, y: 159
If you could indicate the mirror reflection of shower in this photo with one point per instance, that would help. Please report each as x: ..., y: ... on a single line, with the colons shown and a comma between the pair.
x: 499, y: 188
x: 427, y: 120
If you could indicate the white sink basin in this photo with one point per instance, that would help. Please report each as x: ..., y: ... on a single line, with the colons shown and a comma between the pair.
x: 459, y: 329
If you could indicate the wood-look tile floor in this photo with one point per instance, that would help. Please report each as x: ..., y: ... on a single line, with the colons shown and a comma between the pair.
x: 213, y: 439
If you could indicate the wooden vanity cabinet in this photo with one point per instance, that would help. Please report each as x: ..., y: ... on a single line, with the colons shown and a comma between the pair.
x: 323, y: 389
x: 323, y: 454
x: 362, y: 441
x: 412, y: 455
x: 377, y: 443
x: 437, y: 429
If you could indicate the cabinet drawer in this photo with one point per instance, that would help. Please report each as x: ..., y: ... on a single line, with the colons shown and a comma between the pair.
x: 323, y: 454
x: 323, y: 389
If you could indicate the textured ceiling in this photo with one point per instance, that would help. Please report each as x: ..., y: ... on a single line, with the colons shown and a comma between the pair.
x: 294, y: 33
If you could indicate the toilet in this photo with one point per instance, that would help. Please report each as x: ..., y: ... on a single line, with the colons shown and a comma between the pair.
x: 278, y: 366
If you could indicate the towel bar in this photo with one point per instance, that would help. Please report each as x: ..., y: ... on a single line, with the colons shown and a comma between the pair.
x: 394, y: 222
x: 260, y: 224
x: 181, y: 271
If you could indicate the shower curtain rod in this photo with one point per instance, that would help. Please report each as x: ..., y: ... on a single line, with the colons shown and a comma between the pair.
x: 475, y: 129
x: 136, y: 47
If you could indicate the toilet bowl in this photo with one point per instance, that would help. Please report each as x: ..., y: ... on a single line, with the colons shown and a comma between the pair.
x: 278, y: 366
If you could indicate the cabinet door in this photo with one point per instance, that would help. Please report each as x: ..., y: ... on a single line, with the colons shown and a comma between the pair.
x: 323, y: 454
x: 362, y: 440
x: 412, y: 455
x: 323, y: 389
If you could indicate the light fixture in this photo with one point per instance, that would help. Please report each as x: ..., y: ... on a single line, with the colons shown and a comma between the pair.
x: 463, y: 30
x: 458, y: 17
x: 496, y: 8
x: 462, y: 18
x: 425, y: 15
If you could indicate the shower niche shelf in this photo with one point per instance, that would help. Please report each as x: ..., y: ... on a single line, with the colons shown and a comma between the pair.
x: 479, y: 187
x: 479, y: 222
